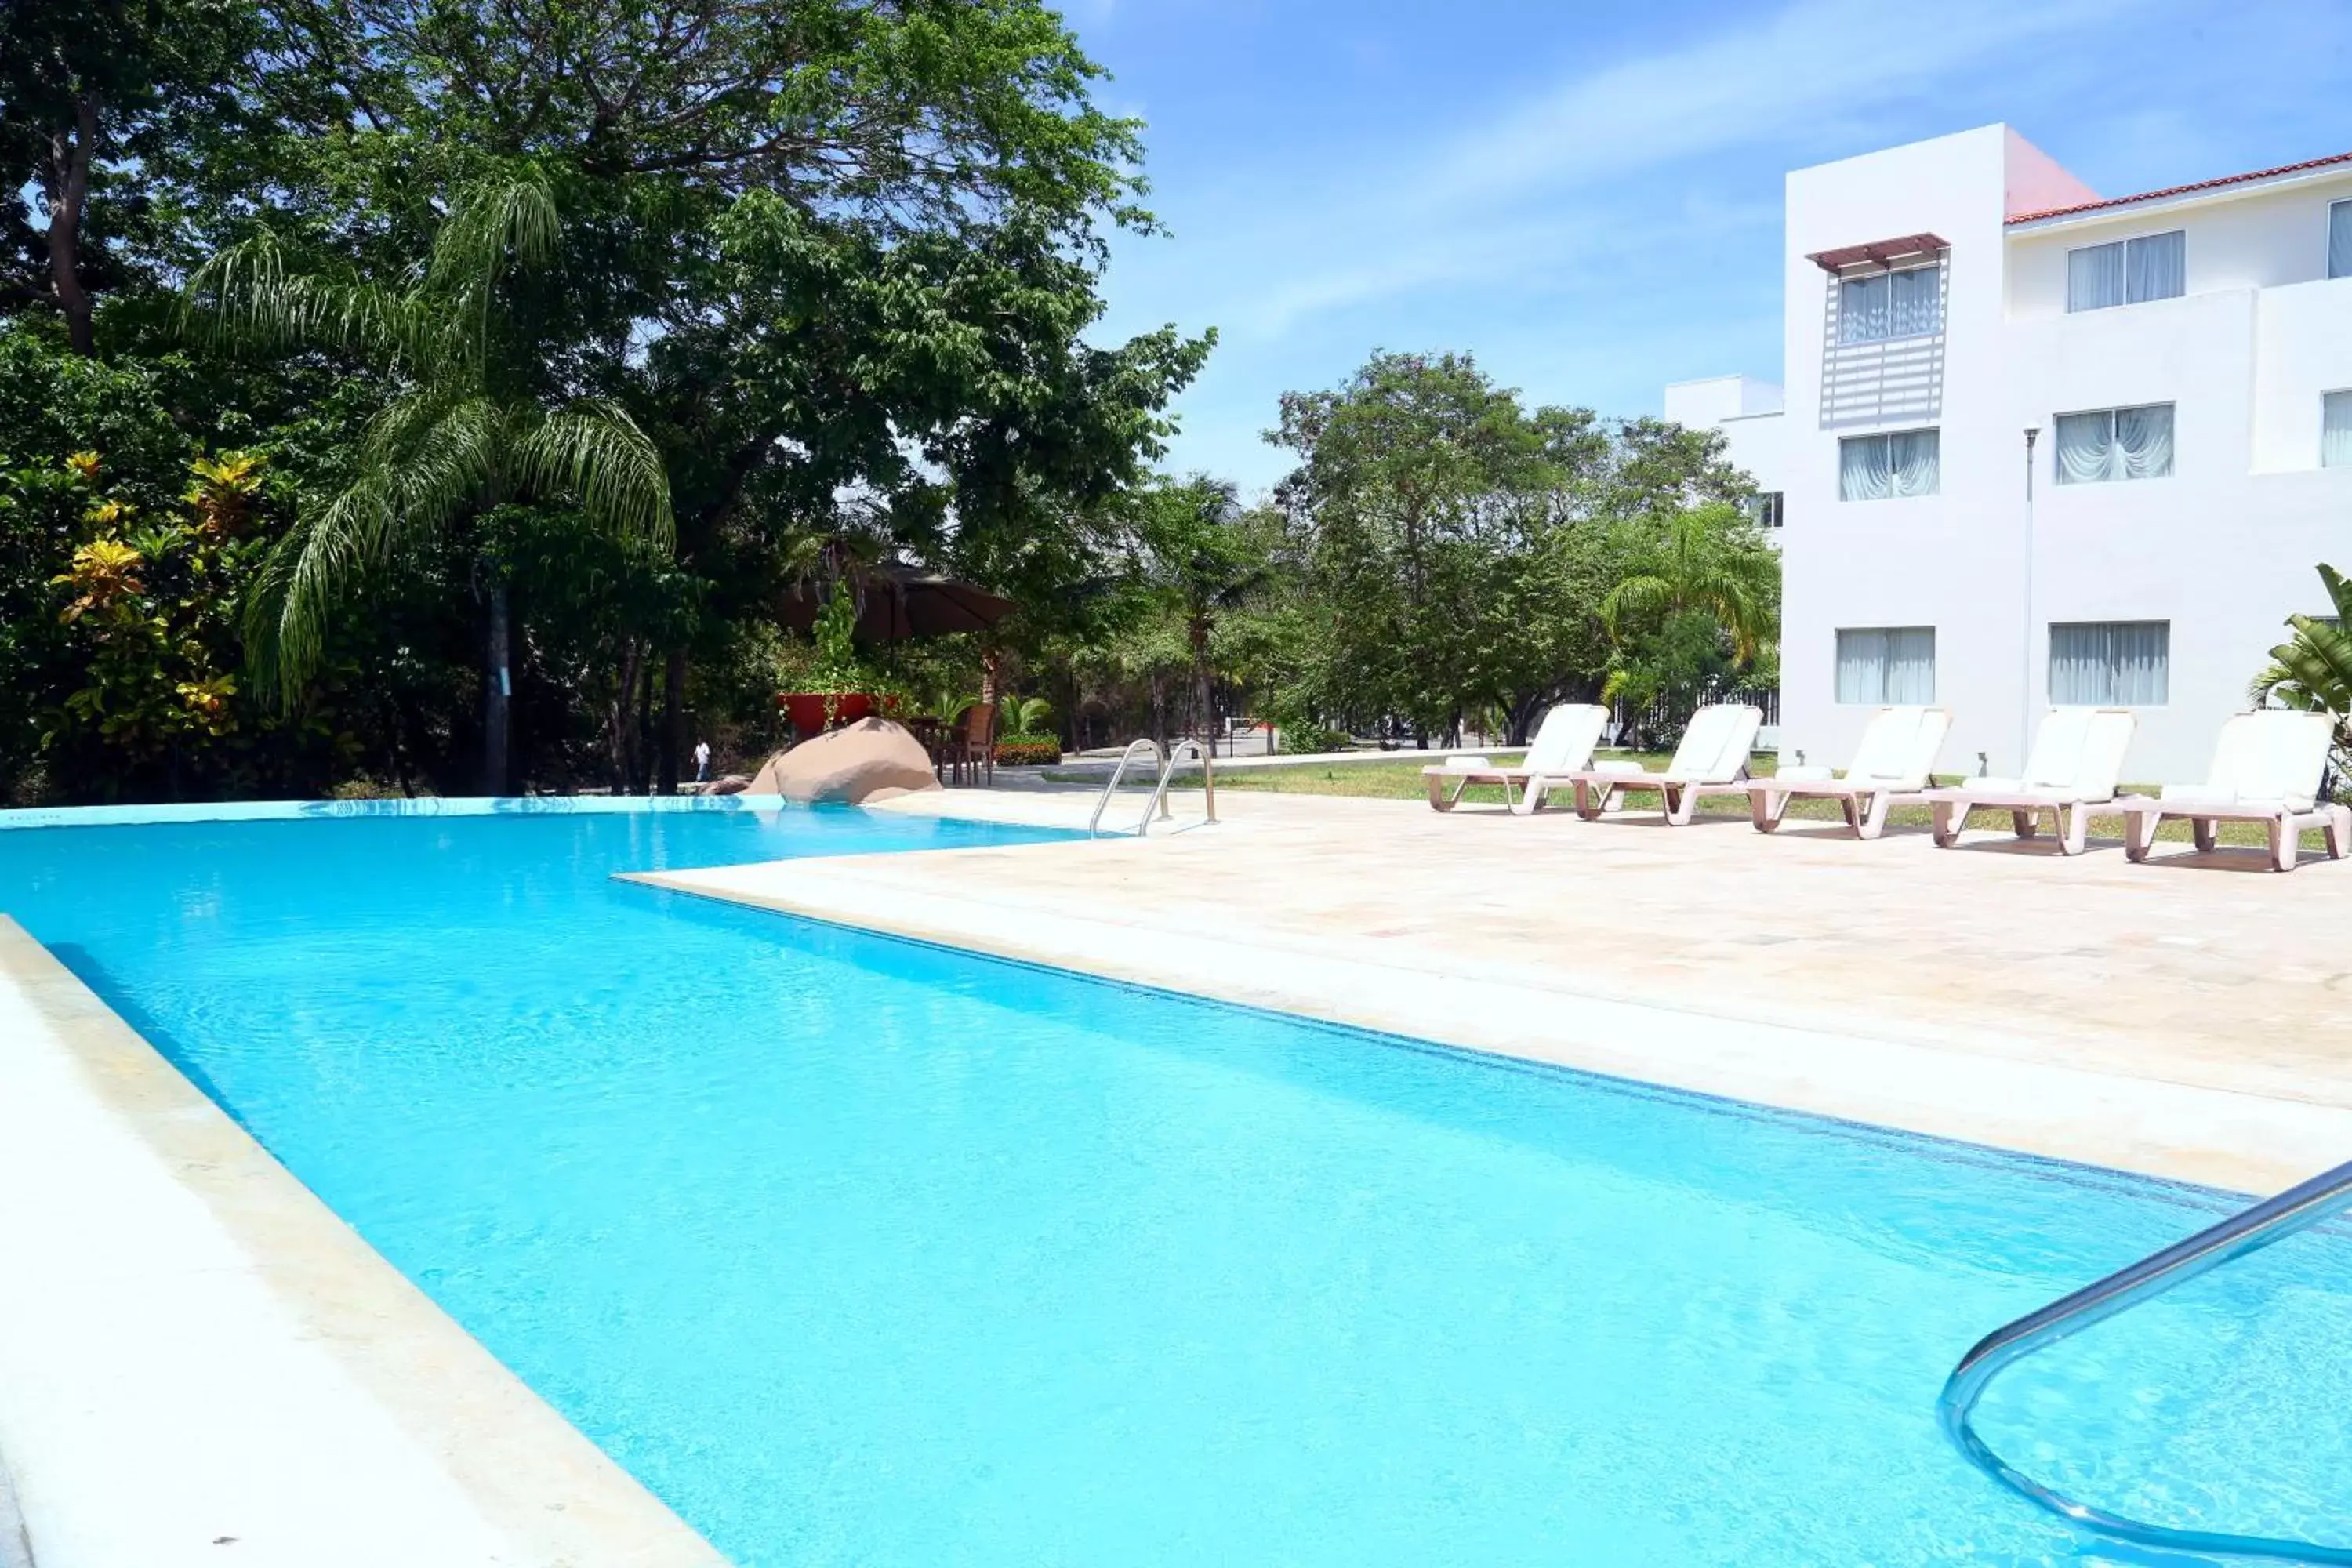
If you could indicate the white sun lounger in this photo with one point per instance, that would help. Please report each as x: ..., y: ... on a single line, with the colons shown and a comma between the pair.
x: 2076, y: 762
x: 2267, y: 767
x: 1562, y: 746
x: 1893, y: 767
x: 1711, y: 760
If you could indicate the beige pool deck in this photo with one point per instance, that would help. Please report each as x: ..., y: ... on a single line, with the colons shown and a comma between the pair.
x: 2189, y: 1018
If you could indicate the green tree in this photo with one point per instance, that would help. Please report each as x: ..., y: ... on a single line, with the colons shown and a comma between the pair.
x: 2313, y: 669
x: 1438, y: 517
x: 92, y: 94
x: 1204, y: 561
x: 485, y: 422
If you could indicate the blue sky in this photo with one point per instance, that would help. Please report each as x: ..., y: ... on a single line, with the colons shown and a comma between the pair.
x: 1588, y: 197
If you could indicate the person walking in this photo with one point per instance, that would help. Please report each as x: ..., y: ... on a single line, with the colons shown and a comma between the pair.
x: 701, y: 762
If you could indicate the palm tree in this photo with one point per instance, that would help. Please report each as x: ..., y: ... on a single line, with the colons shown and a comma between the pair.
x: 1707, y: 561
x: 2313, y: 670
x: 1207, y: 564
x: 480, y: 420
x: 1707, y: 578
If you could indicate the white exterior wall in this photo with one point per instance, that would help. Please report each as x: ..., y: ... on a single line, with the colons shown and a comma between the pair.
x: 2223, y: 549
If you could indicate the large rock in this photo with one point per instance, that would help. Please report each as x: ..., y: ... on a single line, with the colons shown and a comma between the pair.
x: 848, y: 766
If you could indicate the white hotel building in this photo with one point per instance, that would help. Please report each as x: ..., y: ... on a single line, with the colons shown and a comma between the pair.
x: 2040, y: 447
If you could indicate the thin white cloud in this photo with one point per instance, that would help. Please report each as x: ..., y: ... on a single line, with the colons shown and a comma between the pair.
x: 1515, y: 193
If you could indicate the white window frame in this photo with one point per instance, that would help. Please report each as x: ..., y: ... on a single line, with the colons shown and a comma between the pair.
x: 1888, y: 437
x: 2125, y: 241
x: 2327, y: 239
x: 1891, y: 336
x: 1765, y: 509
x: 2109, y: 699
x: 1837, y: 657
x: 2058, y: 466
x: 2345, y: 391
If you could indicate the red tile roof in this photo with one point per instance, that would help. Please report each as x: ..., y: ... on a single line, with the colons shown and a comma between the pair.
x: 2183, y: 190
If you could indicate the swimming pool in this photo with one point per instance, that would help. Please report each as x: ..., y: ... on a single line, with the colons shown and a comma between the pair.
x: 861, y: 1251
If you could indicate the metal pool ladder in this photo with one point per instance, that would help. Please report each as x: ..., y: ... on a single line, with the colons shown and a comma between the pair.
x: 2273, y: 1219
x: 1169, y: 763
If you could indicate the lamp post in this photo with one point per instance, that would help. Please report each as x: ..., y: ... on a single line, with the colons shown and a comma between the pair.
x: 2025, y: 688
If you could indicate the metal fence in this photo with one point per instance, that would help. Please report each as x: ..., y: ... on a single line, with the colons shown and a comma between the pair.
x: 1661, y: 724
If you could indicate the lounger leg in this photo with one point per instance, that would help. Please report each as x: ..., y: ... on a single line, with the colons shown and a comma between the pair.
x: 2339, y: 831
x: 1438, y: 799
x: 1949, y: 816
x: 1872, y: 822
x: 2140, y: 833
x: 1764, y: 808
x: 2286, y: 842
x: 1678, y: 803
x: 1589, y: 803
x: 1531, y: 797
x: 2074, y: 827
x: 2205, y: 831
x: 2026, y: 824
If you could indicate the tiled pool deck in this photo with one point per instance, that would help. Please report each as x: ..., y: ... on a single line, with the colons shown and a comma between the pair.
x: 2189, y: 1018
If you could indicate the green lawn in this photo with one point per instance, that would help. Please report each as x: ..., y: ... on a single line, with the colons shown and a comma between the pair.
x: 1401, y: 780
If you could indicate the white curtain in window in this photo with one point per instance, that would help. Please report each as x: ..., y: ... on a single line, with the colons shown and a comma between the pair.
x: 2144, y: 441
x: 1863, y: 471
x: 1916, y: 302
x: 1862, y: 309
x: 1887, y: 664
x: 2156, y: 266
x: 2110, y: 663
x: 2095, y: 277
x: 1915, y: 457
x: 2086, y: 447
x: 2339, y: 240
x: 2335, y: 425
x: 2115, y: 444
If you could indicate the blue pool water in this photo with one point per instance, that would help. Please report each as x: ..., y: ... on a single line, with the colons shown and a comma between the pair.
x: 862, y: 1252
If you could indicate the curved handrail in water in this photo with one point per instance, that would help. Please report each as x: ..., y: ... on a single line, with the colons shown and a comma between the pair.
x: 1094, y: 822
x: 2273, y: 1219
x: 1168, y: 771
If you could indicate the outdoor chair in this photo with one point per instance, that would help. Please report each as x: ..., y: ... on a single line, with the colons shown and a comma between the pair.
x: 1712, y: 759
x: 1562, y: 746
x: 2077, y: 759
x: 970, y: 749
x: 2267, y: 767
x: 1892, y: 766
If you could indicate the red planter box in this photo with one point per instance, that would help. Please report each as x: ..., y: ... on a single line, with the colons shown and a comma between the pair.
x: 807, y: 708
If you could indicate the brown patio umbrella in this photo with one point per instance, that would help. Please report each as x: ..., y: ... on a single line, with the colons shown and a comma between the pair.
x: 901, y: 602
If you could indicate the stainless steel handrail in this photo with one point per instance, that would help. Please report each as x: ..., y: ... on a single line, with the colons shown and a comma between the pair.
x: 1168, y: 771
x: 2273, y: 1219
x: 1094, y: 822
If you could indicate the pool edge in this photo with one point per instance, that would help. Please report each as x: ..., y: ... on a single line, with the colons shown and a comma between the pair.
x: 467, y: 1437
x: 2223, y: 1141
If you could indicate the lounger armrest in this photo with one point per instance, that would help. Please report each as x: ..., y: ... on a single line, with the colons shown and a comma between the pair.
x: 1807, y: 773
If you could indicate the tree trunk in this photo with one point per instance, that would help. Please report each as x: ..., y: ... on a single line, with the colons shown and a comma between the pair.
x: 620, y: 723
x: 672, y: 750
x: 498, y: 699
x: 69, y: 160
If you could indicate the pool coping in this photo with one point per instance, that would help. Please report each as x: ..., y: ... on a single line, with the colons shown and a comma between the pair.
x: 2234, y: 1141
x: 197, y: 1329
x: 405, y: 805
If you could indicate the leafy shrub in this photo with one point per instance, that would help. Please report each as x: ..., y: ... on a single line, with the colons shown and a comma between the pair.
x: 1305, y: 739
x: 1027, y: 751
